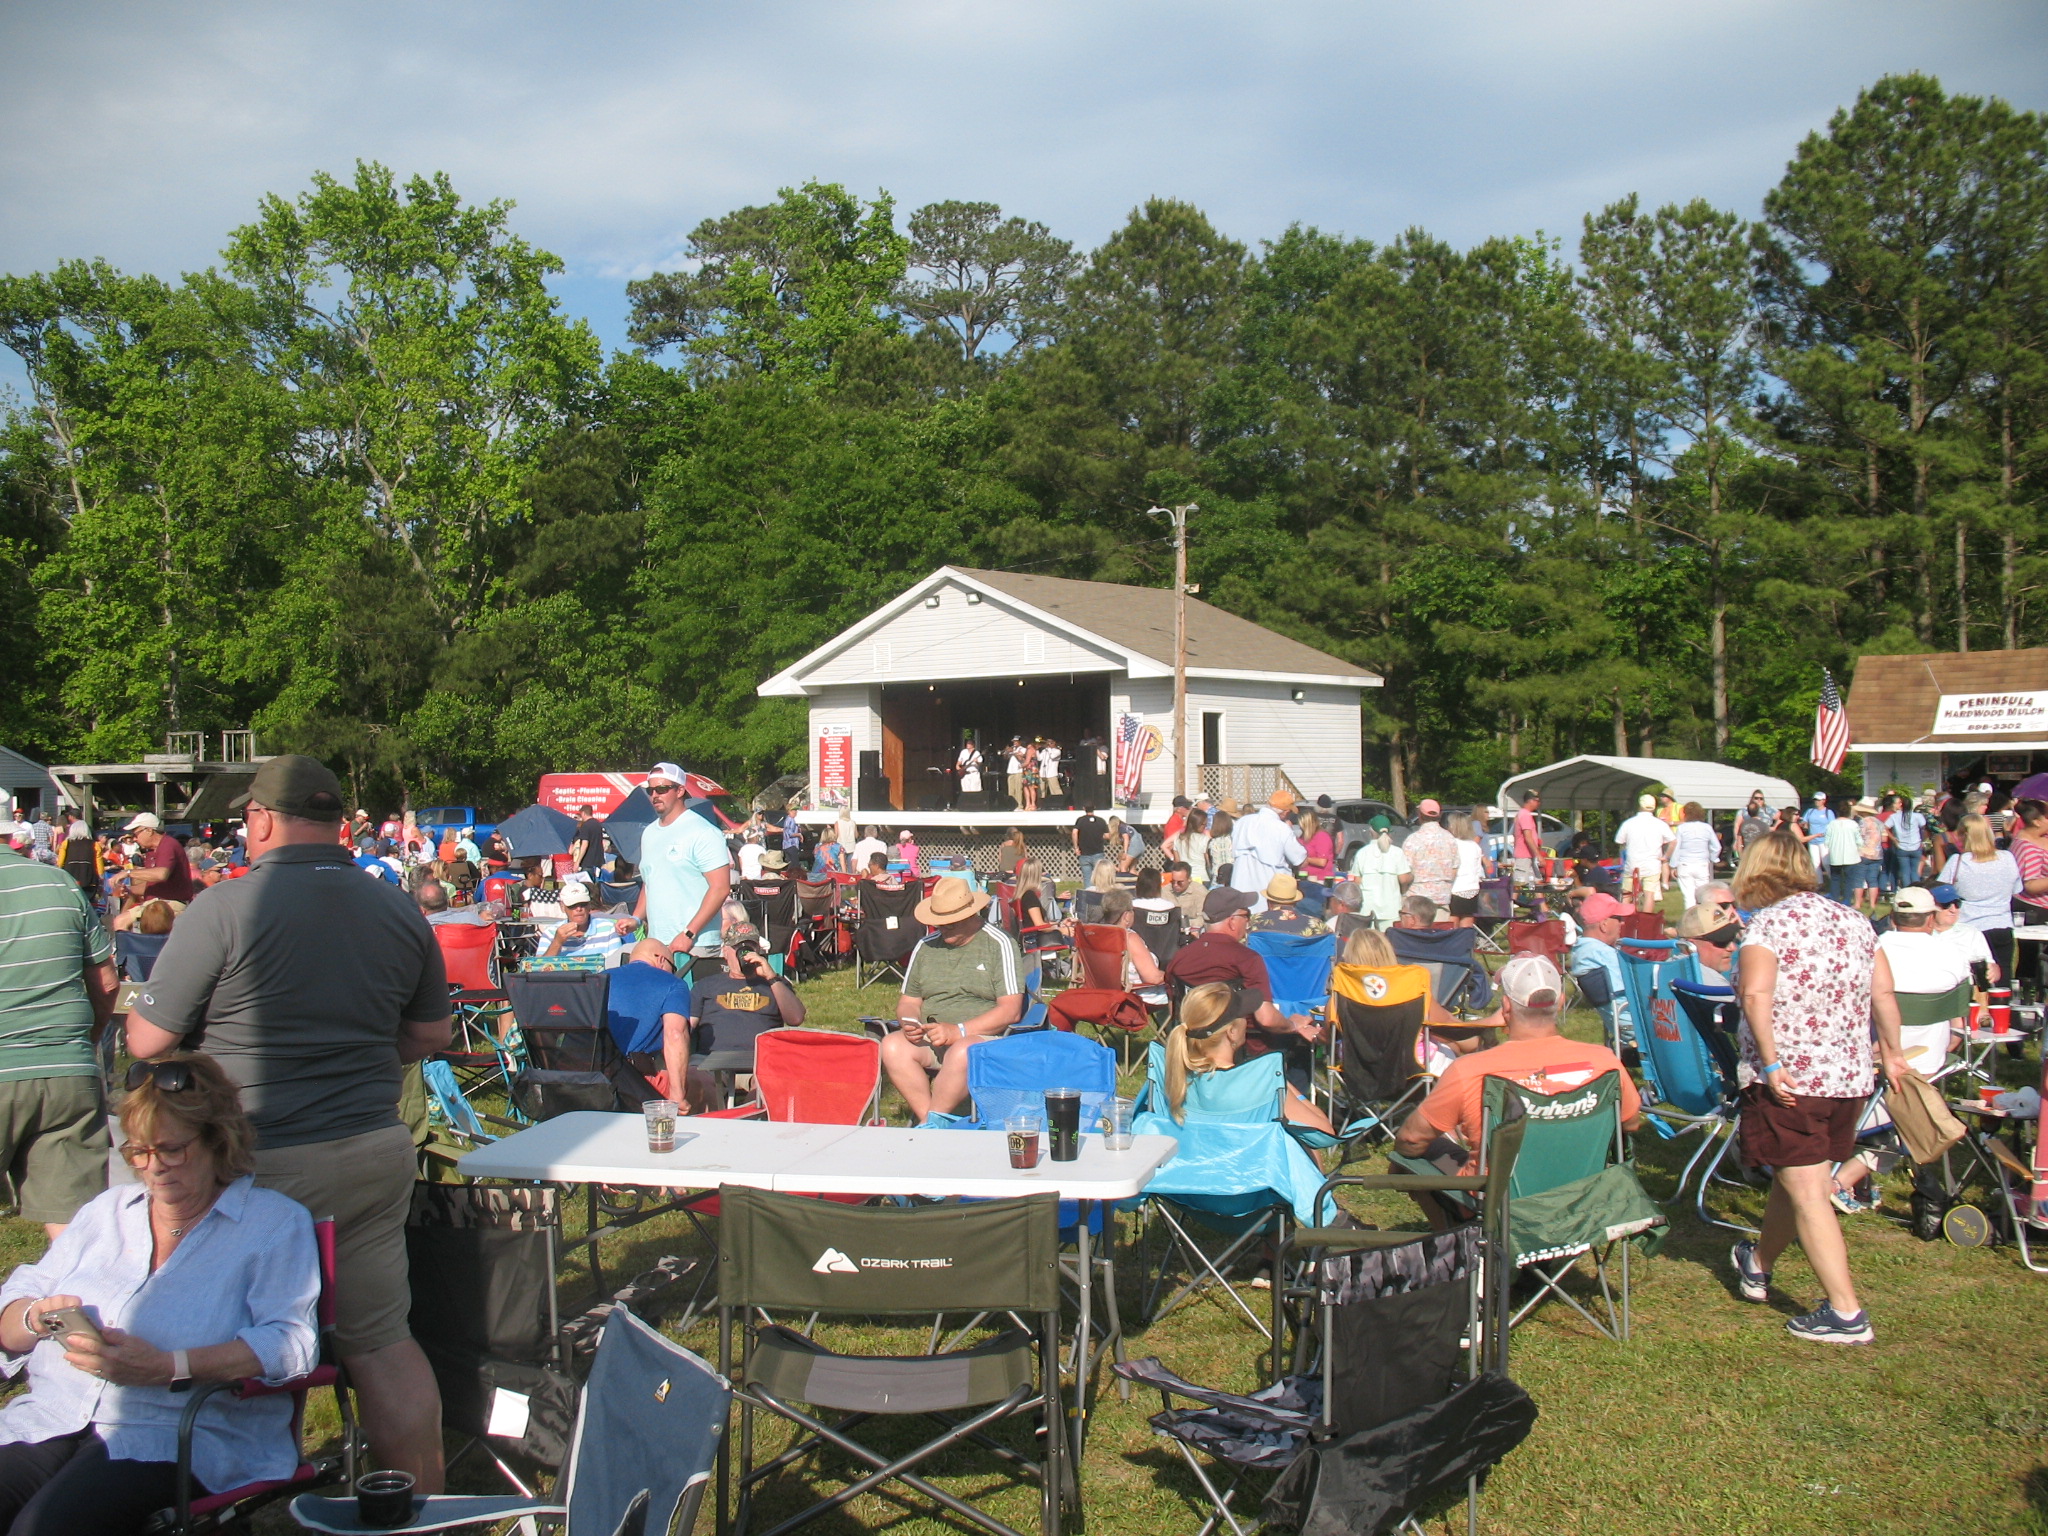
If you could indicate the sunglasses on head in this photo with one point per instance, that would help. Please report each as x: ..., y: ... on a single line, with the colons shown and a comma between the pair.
x: 169, y: 1076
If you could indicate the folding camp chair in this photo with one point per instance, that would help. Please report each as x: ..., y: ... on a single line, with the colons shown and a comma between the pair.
x: 647, y: 1433
x: 135, y: 953
x: 1041, y: 941
x: 476, y: 999
x: 1462, y: 984
x: 1642, y: 927
x: 816, y: 946
x: 817, y: 1076
x: 1238, y: 1175
x: 1689, y: 1070
x: 1374, y: 1423
x: 1377, y: 1050
x: 887, y: 932
x: 1573, y: 1192
x: 195, y: 1512
x: 777, y: 1252
x: 1299, y: 965
x: 1494, y: 910
x: 1013, y: 1073
x: 1163, y: 929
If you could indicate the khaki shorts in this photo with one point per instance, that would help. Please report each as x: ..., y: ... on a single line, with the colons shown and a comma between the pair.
x: 365, y: 1183
x: 54, y: 1134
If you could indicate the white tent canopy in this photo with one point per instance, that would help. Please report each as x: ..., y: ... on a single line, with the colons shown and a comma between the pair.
x: 1612, y: 784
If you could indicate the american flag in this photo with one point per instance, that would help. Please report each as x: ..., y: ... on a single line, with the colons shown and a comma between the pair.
x: 1129, y: 768
x: 1830, y: 726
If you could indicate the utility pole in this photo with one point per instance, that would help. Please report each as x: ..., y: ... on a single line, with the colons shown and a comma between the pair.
x: 1178, y: 516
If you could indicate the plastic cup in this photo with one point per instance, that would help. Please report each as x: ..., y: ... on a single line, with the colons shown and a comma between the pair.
x: 1023, y: 1129
x: 1116, y: 1124
x: 661, y: 1125
x: 1989, y: 1095
x: 384, y: 1499
x: 1063, y: 1119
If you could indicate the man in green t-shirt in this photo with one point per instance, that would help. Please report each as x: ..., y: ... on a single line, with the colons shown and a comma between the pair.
x: 965, y: 983
x: 56, y: 996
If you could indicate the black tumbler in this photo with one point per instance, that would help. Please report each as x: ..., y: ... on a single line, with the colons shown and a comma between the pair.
x: 1063, y: 1121
x: 384, y: 1499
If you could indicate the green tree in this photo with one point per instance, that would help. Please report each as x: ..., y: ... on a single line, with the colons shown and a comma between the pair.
x: 777, y: 289
x: 986, y: 276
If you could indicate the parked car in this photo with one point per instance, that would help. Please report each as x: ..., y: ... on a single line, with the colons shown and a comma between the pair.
x: 1354, y: 819
x: 441, y: 819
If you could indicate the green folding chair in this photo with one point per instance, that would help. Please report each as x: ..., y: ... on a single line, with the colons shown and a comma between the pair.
x: 811, y: 1257
x: 1573, y: 1193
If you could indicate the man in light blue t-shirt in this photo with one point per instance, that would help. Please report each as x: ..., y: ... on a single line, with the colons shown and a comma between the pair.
x: 685, y: 871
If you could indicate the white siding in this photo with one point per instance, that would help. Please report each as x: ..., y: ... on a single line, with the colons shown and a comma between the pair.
x: 960, y: 639
x: 1316, y: 741
x: 1915, y: 770
x: 857, y: 707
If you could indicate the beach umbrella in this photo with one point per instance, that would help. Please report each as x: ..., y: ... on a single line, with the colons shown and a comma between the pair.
x: 2035, y: 788
x: 629, y: 818
x: 537, y: 833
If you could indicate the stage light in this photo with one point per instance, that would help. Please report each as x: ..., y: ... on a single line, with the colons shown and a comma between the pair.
x: 932, y: 601
x: 973, y: 597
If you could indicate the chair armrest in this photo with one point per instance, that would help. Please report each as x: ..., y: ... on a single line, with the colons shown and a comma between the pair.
x: 741, y: 1112
x: 1348, y: 1239
x: 319, y: 1376
x: 1415, y: 1181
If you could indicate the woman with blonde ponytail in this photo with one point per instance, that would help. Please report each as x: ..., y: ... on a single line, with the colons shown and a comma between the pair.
x: 1209, y: 1039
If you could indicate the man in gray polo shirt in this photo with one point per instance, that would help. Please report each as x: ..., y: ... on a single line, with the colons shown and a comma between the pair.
x: 313, y: 988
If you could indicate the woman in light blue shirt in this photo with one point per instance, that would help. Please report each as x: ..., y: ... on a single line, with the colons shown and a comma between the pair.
x: 1987, y: 878
x: 193, y: 1274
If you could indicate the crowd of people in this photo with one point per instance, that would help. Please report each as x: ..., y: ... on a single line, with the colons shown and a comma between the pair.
x: 288, y: 995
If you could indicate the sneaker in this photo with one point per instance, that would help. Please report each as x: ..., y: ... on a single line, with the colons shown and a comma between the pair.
x: 1847, y: 1203
x: 1827, y: 1326
x: 1753, y: 1283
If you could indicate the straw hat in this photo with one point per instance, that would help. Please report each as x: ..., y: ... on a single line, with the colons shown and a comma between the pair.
x: 1283, y: 889
x: 951, y: 900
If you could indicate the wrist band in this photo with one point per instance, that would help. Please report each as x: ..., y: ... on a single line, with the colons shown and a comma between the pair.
x: 1773, y: 1066
x: 181, y: 1370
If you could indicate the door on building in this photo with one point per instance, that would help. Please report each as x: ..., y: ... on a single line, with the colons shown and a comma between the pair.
x: 1212, y: 735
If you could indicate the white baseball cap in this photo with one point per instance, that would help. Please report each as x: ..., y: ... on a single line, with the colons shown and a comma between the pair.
x: 145, y: 821
x: 575, y: 894
x: 670, y: 773
x: 1532, y: 981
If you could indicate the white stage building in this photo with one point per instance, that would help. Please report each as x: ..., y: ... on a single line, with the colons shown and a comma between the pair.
x: 993, y: 653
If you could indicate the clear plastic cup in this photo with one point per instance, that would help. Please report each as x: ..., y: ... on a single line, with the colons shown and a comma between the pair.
x: 1023, y: 1128
x: 661, y: 1125
x: 1116, y: 1124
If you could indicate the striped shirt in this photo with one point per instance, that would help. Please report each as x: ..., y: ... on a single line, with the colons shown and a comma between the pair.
x: 962, y: 982
x: 49, y: 936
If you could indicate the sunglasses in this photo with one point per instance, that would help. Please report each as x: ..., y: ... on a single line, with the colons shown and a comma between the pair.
x: 662, y: 789
x: 169, y: 1076
x: 1722, y: 937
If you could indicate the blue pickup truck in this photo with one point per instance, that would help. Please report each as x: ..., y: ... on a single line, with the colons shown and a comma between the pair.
x: 440, y: 819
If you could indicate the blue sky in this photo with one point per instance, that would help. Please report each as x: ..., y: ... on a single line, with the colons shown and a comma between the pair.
x: 143, y: 132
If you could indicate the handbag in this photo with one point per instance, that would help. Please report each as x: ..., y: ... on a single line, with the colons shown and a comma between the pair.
x: 1922, y: 1118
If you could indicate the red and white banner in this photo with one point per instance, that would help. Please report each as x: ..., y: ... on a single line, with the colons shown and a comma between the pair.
x: 835, y: 766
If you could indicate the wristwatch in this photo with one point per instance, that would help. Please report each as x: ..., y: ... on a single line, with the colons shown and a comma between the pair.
x: 181, y: 1371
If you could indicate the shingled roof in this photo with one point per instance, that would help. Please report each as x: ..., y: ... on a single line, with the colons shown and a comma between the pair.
x: 1141, y: 619
x: 1893, y: 699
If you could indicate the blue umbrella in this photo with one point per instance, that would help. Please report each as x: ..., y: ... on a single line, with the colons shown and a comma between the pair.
x: 538, y: 832
x: 629, y: 818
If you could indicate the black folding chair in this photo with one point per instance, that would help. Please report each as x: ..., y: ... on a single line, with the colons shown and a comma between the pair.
x: 802, y: 1257
x: 1163, y: 931
x: 886, y: 934
x: 1376, y: 1017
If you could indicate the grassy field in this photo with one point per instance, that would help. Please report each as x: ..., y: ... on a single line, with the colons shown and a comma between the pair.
x: 1710, y: 1420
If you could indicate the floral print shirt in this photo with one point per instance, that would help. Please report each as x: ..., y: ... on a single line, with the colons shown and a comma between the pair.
x: 1820, y: 1015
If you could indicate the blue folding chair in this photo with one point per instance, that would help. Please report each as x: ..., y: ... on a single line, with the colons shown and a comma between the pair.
x: 1461, y: 982
x: 646, y: 1440
x: 1013, y: 1073
x: 1696, y: 1057
x: 1299, y: 965
x: 1238, y: 1174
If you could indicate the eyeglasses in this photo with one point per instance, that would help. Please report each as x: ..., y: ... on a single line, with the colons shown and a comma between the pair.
x: 662, y: 789
x: 135, y: 1153
x: 169, y: 1076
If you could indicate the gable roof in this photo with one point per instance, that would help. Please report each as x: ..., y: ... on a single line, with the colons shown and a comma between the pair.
x: 1893, y: 699
x: 1136, y: 622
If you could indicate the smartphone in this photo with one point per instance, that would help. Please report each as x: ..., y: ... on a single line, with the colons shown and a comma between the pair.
x: 65, y: 1321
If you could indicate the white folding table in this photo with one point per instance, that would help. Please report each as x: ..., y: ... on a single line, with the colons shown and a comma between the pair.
x: 592, y: 1147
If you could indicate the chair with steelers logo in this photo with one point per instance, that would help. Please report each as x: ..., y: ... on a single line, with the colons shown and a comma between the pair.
x: 1381, y: 1057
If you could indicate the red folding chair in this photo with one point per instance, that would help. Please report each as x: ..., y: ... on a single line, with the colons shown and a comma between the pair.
x: 1642, y: 925
x: 209, y: 1512
x: 817, y: 1076
x: 1106, y: 1002
x: 476, y: 999
x: 1545, y: 938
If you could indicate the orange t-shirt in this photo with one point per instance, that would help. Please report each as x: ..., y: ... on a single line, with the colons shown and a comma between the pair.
x: 1550, y: 1064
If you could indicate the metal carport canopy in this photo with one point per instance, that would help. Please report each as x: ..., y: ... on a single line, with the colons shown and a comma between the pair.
x: 1594, y: 783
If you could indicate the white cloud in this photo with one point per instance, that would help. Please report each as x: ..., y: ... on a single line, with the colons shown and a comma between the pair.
x: 144, y: 132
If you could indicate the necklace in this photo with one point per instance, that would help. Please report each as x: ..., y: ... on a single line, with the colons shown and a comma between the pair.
x: 193, y: 1219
